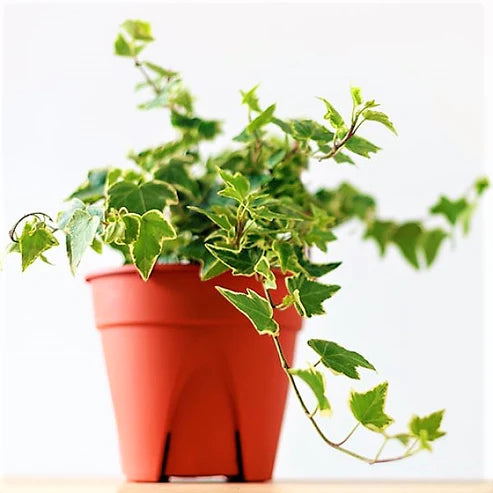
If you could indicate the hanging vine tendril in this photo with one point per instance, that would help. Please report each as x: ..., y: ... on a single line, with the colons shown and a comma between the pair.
x: 39, y: 215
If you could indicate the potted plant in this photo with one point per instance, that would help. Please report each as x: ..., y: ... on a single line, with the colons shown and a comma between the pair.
x: 199, y: 324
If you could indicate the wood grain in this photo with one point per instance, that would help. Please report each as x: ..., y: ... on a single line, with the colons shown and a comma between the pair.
x: 111, y: 486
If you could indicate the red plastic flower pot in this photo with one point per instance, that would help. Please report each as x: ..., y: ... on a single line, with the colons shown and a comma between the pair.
x: 196, y: 390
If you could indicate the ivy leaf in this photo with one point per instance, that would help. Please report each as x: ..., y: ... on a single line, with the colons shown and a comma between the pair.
x: 368, y: 408
x: 378, y: 116
x: 139, y: 30
x: 332, y: 115
x: 427, y: 428
x: 163, y: 72
x: 481, y: 185
x: 381, y: 232
x: 262, y: 267
x: 315, y: 380
x: 35, y: 239
x: 431, y: 243
x: 212, y: 268
x: 261, y: 120
x: 361, y: 146
x: 404, y: 438
x: 451, y: 209
x: 154, y: 230
x: 311, y: 294
x: 407, y: 237
x: 132, y: 227
x: 250, y: 99
x: 97, y: 245
x: 356, y: 96
x: 176, y: 174
x: 241, y: 262
x: 256, y: 308
x: 208, y: 129
x: 65, y: 215
x: 80, y: 232
x: 286, y: 256
x: 339, y: 359
x: 314, y: 270
x: 92, y: 189
x: 219, y: 219
x: 140, y: 198
x: 340, y: 157
x: 122, y: 47
x: 237, y: 185
x: 320, y: 237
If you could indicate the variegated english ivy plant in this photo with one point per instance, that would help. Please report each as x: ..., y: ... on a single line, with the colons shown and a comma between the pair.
x: 247, y: 210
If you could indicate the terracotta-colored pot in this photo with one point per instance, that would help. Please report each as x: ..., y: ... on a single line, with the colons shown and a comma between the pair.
x: 196, y: 391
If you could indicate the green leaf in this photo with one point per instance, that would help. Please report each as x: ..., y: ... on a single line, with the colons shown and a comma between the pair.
x: 334, y: 118
x: 466, y: 217
x: 122, y: 48
x: 404, y: 438
x: 65, y: 215
x: 132, y: 227
x: 451, y: 209
x: 481, y: 185
x: 256, y: 308
x: 241, y: 262
x: 163, y: 72
x: 154, y: 230
x: 315, y: 380
x: 141, y: 198
x: 206, y: 128
x: 176, y: 173
x: 340, y: 157
x: 217, y: 218
x: 427, y: 428
x: 286, y: 256
x: 92, y: 189
x: 80, y: 232
x: 237, y: 185
x: 356, y: 96
x: 320, y: 237
x: 339, y: 359
x: 211, y: 268
x: 381, y: 232
x: 314, y: 270
x: 310, y: 294
x: 431, y: 242
x: 407, y: 237
x: 262, y: 267
x: 361, y: 146
x: 35, y: 239
x: 378, y: 116
x: 97, y: 245
x: 139, y: 30
x: 368, y: 408
x: 250, y: 99
x: 261, y: 120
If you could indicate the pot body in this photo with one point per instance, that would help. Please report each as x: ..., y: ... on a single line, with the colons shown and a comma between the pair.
x: 196, y: 390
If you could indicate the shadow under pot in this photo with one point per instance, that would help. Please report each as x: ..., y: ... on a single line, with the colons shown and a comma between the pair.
x: 196, y: 390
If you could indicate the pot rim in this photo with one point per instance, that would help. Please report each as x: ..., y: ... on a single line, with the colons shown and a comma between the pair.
x: 131, y: 269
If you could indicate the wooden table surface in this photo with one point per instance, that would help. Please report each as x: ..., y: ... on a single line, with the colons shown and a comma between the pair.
x: 109, y: 486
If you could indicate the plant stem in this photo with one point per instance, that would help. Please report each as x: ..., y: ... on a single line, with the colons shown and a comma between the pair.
x: 148, y: 79
x: 12, y: 233
x: 311, y: 418
x: 349, y: 435
x: 380, y: 450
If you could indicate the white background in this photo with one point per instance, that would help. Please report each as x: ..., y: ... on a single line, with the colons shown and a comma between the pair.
x: 68, y: 105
